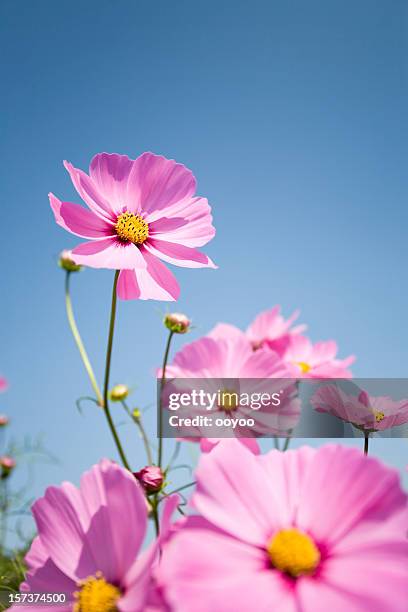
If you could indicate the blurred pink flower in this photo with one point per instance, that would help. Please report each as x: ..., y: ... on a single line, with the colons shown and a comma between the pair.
x: 89, y: 542
x: 302, y: 530
x: 3, y: 384
x: 4, y: 420
x: 207, y: 444
x: 366, y: 412
x: 316, y: 360
x: 268, y: 329
x: 140, y: 212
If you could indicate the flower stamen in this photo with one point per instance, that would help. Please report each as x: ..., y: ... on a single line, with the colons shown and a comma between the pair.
x: 132, y: 228
x: 379, y: 416
x: 304, y: 367
x: 96, y: 595
x: 293, y: 552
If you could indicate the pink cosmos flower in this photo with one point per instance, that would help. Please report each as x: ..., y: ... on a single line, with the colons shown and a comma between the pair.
x: 305, y: 530
x: 140, y: 212
x: 213, y: 360
x: 268, y: 329
x: 89, y: 541
x: 3, y: 384
x: 365, y: 412
x: 316, y: 360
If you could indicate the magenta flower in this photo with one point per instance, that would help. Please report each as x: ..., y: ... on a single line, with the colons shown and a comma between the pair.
x: 365, y: 412
x: 140, y: 212
x: 316, y: 360
x: 89, y: 543
x: 304, y: 530
x: 151, y: 478
x: 3, y: 384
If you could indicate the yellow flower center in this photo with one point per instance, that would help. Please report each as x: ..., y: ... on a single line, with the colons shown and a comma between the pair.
x: 304, y: 367
x: 96, y: 595
x: 132, y: 228
x: 293, y: 552
x: 379, y: 416
x: 228, y: 400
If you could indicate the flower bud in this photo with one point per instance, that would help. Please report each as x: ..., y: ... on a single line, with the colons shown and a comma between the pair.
x: 136, y: 413
x: 118, y: 393
x: 151, y: 478
x: 7, y: 464
x: 3, y: 420
x: 67, y: 263
x: 177, y: 323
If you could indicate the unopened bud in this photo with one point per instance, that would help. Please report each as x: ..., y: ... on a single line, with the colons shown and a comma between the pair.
x: 136, y: 413
x: 151, y: 478
x: 67, y: 263
x: 3, y: 420
x: 118, y: 393
x: 177, y: 323
x: 7, y: 464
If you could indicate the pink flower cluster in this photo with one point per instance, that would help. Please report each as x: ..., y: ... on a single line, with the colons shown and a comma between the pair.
x: 303, y: 530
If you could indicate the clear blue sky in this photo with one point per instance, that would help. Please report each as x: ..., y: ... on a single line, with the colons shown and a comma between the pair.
x: 292, y: 115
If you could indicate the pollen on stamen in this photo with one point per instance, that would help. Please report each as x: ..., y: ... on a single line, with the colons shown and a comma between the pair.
x: 293, y: 552
x: 379, y: 416
x: 131, y: 228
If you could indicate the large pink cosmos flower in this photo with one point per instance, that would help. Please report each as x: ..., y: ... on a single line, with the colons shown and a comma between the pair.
x: 140, y: 212
x: 365, y: 412
x: 89, y: 543
x: 301, y: 531
x: 268, y: 329
x: 231, y: 361
x: 316, y: 360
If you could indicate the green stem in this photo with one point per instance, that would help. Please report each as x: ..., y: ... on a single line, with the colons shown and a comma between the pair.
x: 287, y: 440
x: 139, y: 425
x: 366, y: 438
x: 107, y: 374
x: 78, y: 339
x: 163, y: 380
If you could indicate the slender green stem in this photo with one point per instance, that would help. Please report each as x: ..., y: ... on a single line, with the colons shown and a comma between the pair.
x: 107, y: 374
x: 78, y: 339
x: 139, y: 425
x: 163, y: 380
x: 287, y: 440
x: 276, y: 442
x: 366, y: 438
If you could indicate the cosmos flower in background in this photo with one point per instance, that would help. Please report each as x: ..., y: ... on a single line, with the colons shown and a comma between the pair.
x: 367, y: 413
x: 268, y: 329
x: 217, y: 361
x: 139, y: 212
x: 310, y: 529
x: 89, y: 542
x: 3, y: 384
x: 317, y: 360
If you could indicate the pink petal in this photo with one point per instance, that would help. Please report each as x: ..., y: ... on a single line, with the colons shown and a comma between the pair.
x: 178, y: 254
x: 232, y: 492
x: 225, y: 331
x: 108, y: 253
x: 197, y: 229
x: 109, y: 494
x: 62, y: 534
x: 80, y: 221
x: 155, y: 282
x: 351, y: 488
x: 205, y: 570
x: 88, y: 191
x: 151, y: 182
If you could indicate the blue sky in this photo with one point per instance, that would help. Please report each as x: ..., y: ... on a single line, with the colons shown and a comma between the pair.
x: 293, y: 117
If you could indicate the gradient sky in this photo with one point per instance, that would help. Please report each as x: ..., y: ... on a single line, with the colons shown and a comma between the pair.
x: 292, y: 115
